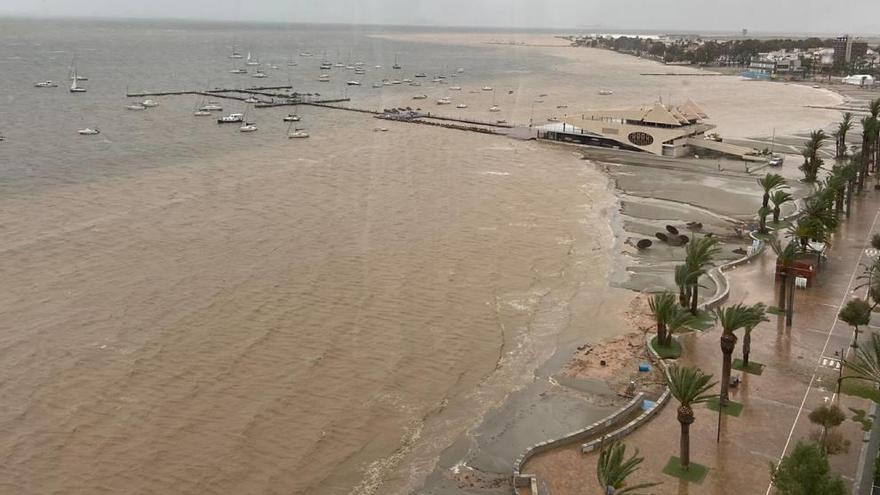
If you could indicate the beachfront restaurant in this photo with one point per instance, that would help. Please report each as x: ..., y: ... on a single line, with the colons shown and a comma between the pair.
x: 663, y: 130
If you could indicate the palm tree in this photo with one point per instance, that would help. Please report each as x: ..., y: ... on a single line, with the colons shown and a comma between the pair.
x: 869, y: 131
x: 613, y: 469
x: 856, y: 312
x: 662, y: 305
x: 812, y: 162
x: 698, y: 256
x: 732, y: 319
x: 785, y: 257
x: 842, y: 129
x: 770, y: 182
x: 866, y: 362
x: 779, y: 198
x: 747, y: 346
x: 685, y: 278
x: 690, y: 386
x: 762, y: 219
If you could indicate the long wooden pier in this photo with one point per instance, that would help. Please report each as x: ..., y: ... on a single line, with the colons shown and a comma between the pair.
x: 283, y: 96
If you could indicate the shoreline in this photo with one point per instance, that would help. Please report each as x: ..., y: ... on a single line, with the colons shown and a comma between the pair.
x: 580, y: 363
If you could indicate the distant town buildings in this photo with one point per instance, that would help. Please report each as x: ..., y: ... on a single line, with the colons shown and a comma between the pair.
x: 758, y: 58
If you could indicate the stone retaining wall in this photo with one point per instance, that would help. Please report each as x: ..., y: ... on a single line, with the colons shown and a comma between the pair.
x: 573, y: 437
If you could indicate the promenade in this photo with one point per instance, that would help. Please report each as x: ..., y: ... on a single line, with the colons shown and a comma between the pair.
x: 799, y: 375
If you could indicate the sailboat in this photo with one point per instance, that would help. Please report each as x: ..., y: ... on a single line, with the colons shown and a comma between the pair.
x: 775, y: 160
x: 251, y: 60
x: 247, y: 126
x: 396, y: 65
x: 234, y: 53
x: 74, y: 88
x: 494, y: 107
x: 200, y: 110
x: 297, y: 133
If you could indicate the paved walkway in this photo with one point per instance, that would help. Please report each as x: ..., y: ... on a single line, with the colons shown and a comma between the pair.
x: 798, y: 377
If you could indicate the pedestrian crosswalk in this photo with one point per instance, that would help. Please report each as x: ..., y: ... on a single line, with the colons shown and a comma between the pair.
x: 831, y: 363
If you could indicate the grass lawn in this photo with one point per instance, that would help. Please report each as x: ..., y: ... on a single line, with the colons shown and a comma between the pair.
x: 696, y: 473
x: 860, y: 388
x: 731, y: 409
x: 860, y: 416
x: 667, y: 352
x: 754, y: 368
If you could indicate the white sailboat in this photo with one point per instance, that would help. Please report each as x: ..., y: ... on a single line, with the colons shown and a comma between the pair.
x: 74, y: 87
x: 88, y: 131
x: 251, y: 60
x: 494, y: 107
x: 234, y: 53
x: 297, y: 133
x: 396, y: 65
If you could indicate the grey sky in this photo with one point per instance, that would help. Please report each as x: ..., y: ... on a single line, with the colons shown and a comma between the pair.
x: 853, y: 16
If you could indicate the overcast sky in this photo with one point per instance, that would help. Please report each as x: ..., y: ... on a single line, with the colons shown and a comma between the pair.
x: 821, y: 16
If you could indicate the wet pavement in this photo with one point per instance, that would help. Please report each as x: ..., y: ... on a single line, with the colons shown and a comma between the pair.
x: 799, y: 375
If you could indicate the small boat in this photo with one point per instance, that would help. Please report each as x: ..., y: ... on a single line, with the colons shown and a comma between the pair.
x: 238, y: 71
x: 386, y: 83
x: 46, y: 84
x: 150, y: 103
x: 377, y: 85
x: 326, y: 66
x: 396, y: 82
x: 553, y: 119
x: 291, y: 63
x: 248, y: 127
x: 359, y: 64
x: 274, y: 67
x: 561, y: 106
x: 494, y: 108
x: 378, y: 67
x: 380, y: 129
x: 360, y: 72
x: 500, y: 121
x: 232, y: 118
x: 349, y: 67
x: 353, y: 83
x: 260, y: 75
x: 444, y: 101
x: 251, y: 61
x: 339, y: 65
x: 461, y: 105
x: 89, y: 131
x: 606, y: 92
x: 201, y: 113
x: 234, y: 53
x: 421, y: 74
x: 437, y: 80
x: 407, y: 81
x: 415, y: 84
x: 297, y: 134
x: 420, y: 97
x: 306, y: 54
x: 454, y: 88
x: 212, y: 106
x: 251, y: 100
x: 74, y: 87
x: 396, y: 65
x: 460, y: 70
x: 292, y: 117
x: 324, y: 78
x: 488, y: 88
x: 135, y: 106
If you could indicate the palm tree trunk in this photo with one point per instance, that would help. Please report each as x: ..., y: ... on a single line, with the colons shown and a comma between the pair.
x: 782, y: 287
x: 685, y: 418
x: 694, y: 298
x: 728, y: 344
x: 849, y: 193
x: 747, y: 348
x: 776, y: 211
x: 661, y: 334
x: 789, y: 312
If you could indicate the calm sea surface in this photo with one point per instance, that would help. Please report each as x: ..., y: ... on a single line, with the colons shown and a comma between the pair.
x: 188, y: 309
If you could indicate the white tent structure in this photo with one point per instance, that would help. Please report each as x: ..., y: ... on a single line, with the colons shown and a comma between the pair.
x: 859, y: 80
